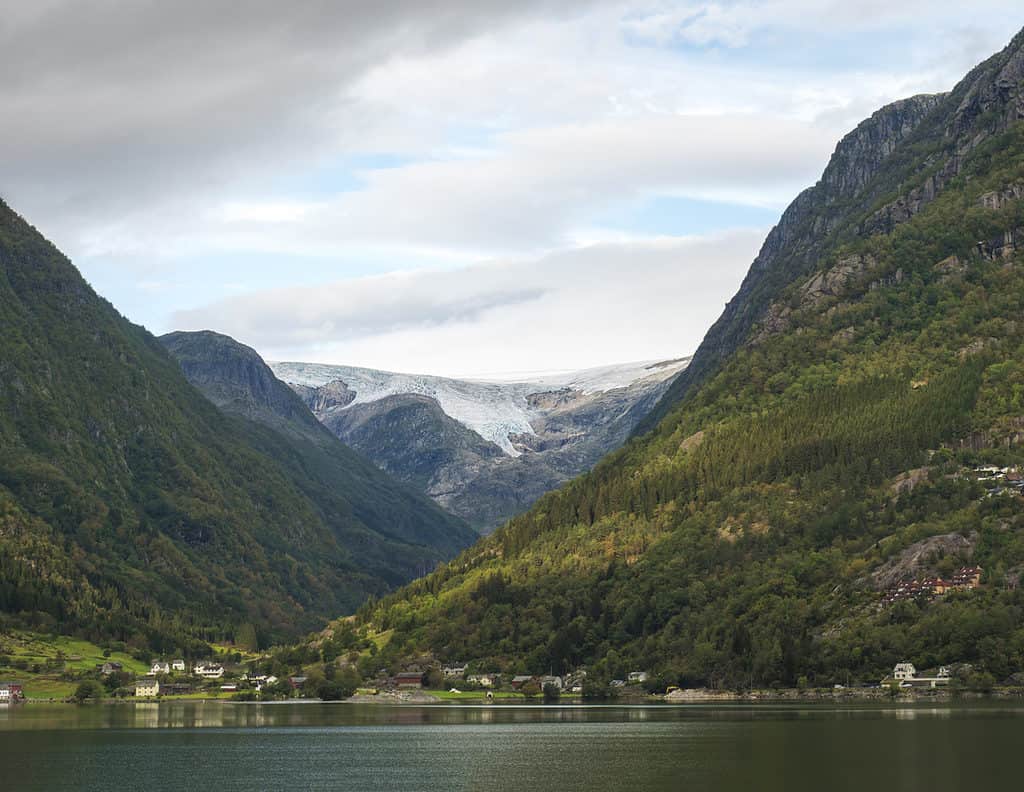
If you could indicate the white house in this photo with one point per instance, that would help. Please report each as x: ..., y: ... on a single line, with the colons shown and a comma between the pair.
x: 178, y: 665
x: 906, y: 675
x: 147, y: 687
x: 637, y: 677
x: 554, y: 681
x: 209, y: 671
x: 483, y: 680
x: 159, y: 668
x: 454, y: 671
x: 904, y: 671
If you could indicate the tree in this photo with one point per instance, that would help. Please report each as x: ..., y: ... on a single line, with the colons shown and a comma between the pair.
x: 246, y: 639
x: 89, y: 690
x: 530, y: 689
x: 552, y: 693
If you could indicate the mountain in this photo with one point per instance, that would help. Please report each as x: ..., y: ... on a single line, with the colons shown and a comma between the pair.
x: 486, y: 451
x: 132, y: 508
x: 235, y: 378
x: 852, y: 422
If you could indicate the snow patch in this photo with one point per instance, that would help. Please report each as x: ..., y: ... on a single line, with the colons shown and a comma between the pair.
x: 494, y: 409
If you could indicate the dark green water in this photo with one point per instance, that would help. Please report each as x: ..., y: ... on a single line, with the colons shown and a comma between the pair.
x: 221, y: 746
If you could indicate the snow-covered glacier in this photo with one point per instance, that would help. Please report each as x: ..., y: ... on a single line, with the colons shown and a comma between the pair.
x: 497, y: 410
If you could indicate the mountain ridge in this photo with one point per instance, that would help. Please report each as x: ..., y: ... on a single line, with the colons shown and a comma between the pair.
x: 130, y: 506
x: 483, y: 449
x: 846, y: 408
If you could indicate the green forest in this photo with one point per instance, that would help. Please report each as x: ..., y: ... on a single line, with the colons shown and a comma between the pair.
x: 739, y: 543
x: 133, y: 510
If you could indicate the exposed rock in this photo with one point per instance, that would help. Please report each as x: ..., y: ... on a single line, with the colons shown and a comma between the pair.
x: 905, y: 207
x: 890, y: 280
x: 920, y: 558
x: 906, y: 482
x: 997, y: 199
x: 950, y: 267
x: 985, y: 103
x: 551, y: 434
x: 833, y: 282
x: 845, y: 335
x: 692, y: 441
x: 327, y: 397
x: 1006, y: 433
x: 1003, y: 246
x: 976, y: 346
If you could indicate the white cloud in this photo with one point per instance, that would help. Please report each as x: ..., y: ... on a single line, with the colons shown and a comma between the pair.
x: 584, y: 307
x: 164, y: 143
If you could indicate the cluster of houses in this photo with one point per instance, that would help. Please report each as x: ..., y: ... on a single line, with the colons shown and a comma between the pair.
x: 570, y: 683
x: 1000, y: 479
x: 968, y: 577
x: 11, y: 692
x: 905, y: 675
x: 150, y: 686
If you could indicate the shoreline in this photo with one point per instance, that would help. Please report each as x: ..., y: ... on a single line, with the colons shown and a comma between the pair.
x: 676, y: 698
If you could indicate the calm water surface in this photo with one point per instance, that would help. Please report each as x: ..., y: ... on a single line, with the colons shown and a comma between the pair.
x: 224, y: 746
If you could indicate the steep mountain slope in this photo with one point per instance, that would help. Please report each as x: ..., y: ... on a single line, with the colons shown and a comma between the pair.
x: 409, y: 535
x: 483, y: 450
x: 825, y: 442
x: 130, y: 506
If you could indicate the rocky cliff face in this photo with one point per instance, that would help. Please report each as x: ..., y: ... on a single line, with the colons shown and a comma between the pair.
x: 235, y: 378
x: 895, y: 162
x: 484, y: 451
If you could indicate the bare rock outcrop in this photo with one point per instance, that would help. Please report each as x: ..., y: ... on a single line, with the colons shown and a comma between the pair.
x: 920, y: 557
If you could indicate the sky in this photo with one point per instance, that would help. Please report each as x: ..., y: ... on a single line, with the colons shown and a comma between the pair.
x: 453, y: 187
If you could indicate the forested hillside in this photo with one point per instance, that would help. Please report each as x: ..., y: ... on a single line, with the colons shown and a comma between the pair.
x: 826, y: 440
x: 132, y: 508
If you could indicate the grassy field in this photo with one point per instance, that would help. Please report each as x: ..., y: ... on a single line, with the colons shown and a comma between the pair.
x: 48, y: 651
x: 475, y: 695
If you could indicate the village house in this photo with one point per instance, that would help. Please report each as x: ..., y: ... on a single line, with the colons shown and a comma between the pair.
x: 967, y: 577
x: 109, y: 668
x: 11, y: 692
x: 230, y: 687
x: 904, y: 671
x: 297, y: 681
x: 147, y: 688
x: 483, y: 680
x: 906, y: 675
x: 964, y: 579
x: 159, y: 668
x: 209, y: 671
x: 178, y: 665
x: 637, y: 677
x: 520, y: 680
x: 554, y: 681
x: 409, y: 679
x: 455, y: 671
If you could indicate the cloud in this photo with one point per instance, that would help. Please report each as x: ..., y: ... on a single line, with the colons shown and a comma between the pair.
x: 200, y: 160
x: 113, y: 108
x: 588, y: 306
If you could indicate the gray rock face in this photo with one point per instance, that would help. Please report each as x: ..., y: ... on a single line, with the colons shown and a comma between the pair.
x: 554, y: 431
x: 235, y: 378
x: 876, y: 160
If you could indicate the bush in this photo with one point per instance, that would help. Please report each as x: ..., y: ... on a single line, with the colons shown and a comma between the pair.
x: 89, y: 690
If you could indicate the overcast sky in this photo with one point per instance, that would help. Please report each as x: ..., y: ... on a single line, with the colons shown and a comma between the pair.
x: 455, y: 187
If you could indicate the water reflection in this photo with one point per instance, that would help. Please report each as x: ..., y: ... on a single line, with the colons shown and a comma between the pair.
x: 229, y: 746
x: 239, y: 715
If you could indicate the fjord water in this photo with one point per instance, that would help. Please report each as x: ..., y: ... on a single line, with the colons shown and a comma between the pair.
x: 211, y: 745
